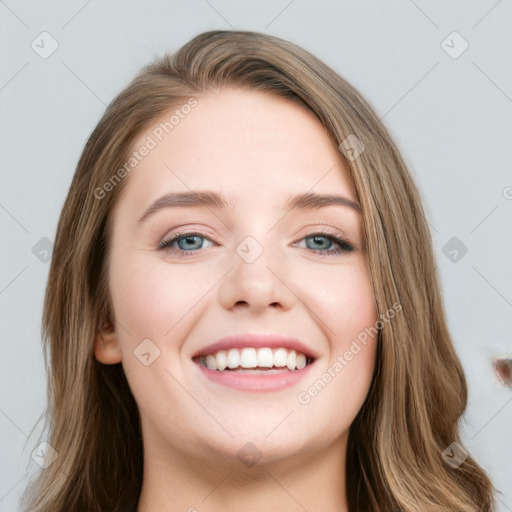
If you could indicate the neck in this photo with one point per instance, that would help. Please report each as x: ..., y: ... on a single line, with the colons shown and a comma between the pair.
x: 313, y: 481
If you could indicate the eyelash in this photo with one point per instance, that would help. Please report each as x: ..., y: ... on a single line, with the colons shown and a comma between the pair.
x: 345, y: 245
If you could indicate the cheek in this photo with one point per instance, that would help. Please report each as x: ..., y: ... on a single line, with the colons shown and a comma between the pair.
x: 355, y: 340
x: 344, y: 300
x: 158, y: 301
x: 151, y: 296
x: 337, y: 389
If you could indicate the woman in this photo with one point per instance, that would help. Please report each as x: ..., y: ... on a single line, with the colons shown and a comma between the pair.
x: 205, y: 353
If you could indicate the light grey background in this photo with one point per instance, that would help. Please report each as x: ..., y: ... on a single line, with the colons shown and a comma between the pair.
x: 451, y: 117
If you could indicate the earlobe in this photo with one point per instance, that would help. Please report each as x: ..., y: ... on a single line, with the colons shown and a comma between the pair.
x: 106, y: 346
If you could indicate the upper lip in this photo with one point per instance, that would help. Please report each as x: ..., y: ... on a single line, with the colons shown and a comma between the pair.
x: 257, y: 341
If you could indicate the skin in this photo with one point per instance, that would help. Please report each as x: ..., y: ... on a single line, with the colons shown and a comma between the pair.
x: 256, y: 148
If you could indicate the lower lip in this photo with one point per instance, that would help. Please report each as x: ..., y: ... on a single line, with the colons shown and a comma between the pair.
x: 260, y: 382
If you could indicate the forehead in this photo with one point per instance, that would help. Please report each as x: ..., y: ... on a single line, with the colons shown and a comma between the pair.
x: 238, y: 142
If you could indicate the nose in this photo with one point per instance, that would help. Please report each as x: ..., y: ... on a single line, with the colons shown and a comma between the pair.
x: 257, y: 284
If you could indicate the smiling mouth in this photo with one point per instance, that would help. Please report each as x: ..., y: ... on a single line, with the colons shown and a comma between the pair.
x: 257, y: 361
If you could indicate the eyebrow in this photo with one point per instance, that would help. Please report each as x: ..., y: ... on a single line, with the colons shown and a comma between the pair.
x: 206, y: 198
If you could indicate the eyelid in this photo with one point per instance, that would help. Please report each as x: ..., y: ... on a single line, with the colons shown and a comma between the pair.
x: 336, y: 236
x: 345, y: 245
x: 183, y: 233
x: 332, y: 231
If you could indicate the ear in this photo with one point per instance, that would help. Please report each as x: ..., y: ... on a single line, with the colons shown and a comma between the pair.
x: 106, y: 345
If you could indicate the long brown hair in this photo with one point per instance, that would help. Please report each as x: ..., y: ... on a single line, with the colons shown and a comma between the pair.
x: 419, y: 391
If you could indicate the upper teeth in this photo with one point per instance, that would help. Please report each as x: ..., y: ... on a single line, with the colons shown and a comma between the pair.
x: 255, y: 357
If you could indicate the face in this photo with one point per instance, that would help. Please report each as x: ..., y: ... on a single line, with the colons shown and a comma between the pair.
x: 286, y: 283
